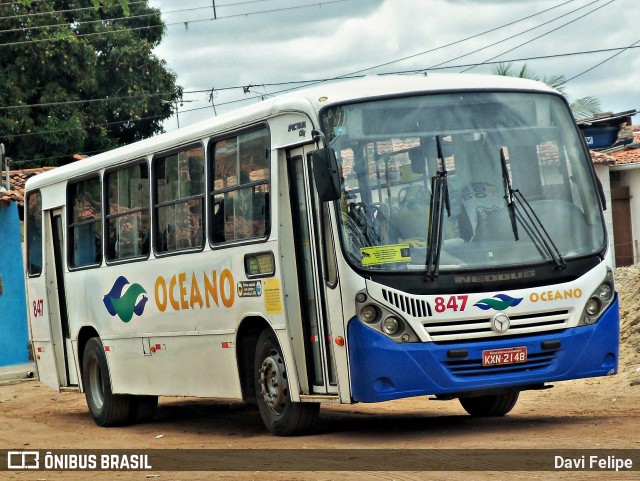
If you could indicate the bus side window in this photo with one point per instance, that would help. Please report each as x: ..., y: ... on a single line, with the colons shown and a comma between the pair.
x: 85, y: 224
x: 240, y: 187
x: 127, y: 216
x: 34, y: 234
x: 179, y: 200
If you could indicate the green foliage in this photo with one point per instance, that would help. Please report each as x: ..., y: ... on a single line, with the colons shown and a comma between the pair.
x: 582, y: 108
x: 80, y: 81
x: 96, y: 4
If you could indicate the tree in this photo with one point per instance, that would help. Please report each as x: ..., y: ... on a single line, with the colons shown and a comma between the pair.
x: 80, y: 79
x: 582, y: 108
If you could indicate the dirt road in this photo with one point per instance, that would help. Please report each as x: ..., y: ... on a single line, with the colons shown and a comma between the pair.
x: 594, y: 414
x: 599, y: 413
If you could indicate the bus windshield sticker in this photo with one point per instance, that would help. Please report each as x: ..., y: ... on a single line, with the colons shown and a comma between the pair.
x: 272, y: 296
x: 249, y: 289
x: 389, y: 254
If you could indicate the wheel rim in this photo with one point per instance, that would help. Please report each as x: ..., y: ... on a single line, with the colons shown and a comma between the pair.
x: 273, y: 383
x: 95, y: 384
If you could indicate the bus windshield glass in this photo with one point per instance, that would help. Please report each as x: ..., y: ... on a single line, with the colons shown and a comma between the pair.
x: 513, y: 181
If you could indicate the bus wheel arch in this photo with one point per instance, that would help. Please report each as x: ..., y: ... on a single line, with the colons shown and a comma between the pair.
x: 280, y: 414
x: 85, y: 333
x: 107, y: 409
x: 246, y: 341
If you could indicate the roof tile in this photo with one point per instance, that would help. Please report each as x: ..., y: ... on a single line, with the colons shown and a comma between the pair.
x: 17, y: 181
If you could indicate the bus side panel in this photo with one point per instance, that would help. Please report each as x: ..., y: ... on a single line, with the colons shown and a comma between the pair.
x: 176, y: 365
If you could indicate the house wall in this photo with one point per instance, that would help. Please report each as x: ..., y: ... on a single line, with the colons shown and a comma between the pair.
x: 14, y: 333
x: 631, y: 178
x: 602, y: 171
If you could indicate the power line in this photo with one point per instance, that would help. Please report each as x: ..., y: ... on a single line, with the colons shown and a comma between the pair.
x: 184, y: 23
x: 306, y: 83
x: 633, y: 45
x: 459, y: 41
x: 53, y: 12
x: 515, y: 35
x: 546, y: 33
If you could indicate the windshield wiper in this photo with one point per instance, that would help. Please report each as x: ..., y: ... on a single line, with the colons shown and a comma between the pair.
x: 509, y: 193
x: 439, y: 202
x: 523, y: 212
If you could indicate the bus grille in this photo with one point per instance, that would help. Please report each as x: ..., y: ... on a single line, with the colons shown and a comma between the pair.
x: 472, y: 329
x: 474, y: 367
x: 408, y: 305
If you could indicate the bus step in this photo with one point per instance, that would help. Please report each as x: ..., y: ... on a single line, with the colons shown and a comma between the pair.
x: 69, y: 388
x: 319, y: 398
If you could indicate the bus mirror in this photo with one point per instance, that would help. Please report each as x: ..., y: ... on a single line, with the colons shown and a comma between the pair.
x: 326, y: 174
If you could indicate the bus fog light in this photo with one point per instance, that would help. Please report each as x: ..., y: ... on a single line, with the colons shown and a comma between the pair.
x: 605, y: 292
x: 391, y: 325
x: 369, y: 314
x: 593, y: 306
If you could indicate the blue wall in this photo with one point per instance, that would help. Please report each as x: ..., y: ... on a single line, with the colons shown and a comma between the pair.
x: 14, y: 333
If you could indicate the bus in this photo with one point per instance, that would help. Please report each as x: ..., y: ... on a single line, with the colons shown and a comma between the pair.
x: 357, y: 241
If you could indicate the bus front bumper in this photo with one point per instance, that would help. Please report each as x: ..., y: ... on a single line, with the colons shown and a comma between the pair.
x: 382, y: 369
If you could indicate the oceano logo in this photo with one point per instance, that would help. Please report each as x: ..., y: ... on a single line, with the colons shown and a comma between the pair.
x: 124, y: 305
x: 499, y: 302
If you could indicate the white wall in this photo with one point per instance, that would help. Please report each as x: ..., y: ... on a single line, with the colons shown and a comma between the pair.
x: 602, y: 171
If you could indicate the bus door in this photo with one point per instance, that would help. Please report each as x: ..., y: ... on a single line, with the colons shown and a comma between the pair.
x: 315, y: 294
x: 57, y: 300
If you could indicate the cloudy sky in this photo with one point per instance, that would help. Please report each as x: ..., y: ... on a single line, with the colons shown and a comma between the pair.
x: 255, y: 48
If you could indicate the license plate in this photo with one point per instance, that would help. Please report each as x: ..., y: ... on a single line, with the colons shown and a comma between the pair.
x: 511, y: 355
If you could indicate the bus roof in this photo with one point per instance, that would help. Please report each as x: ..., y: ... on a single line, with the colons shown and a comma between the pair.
x: 308, y: 100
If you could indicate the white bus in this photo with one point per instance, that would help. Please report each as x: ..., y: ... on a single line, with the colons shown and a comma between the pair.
x: 359, y: 241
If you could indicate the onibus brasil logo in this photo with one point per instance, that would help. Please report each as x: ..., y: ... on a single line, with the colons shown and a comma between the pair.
x: 499, y: 302
x: 123, y: 304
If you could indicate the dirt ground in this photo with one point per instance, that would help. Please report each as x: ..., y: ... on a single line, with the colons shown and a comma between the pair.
x: 598, y: 413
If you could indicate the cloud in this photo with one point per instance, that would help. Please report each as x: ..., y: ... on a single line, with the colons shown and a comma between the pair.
x: 245, y: 47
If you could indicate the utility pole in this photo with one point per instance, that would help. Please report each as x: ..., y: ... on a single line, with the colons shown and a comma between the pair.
x: 215, y: 17
x: 5, y: 160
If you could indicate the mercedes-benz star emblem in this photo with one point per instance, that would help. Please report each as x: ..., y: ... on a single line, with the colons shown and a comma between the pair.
x: 500, y: 323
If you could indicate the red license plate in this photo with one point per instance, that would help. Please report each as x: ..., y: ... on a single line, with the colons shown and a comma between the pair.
x: 510, y: 355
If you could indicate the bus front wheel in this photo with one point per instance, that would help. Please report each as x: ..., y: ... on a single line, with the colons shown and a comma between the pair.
x: 106, y: 408
x: 491, y: 405
x: 282, y: 416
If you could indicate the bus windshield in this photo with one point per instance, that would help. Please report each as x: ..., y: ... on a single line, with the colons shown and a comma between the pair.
x: 514, y: 182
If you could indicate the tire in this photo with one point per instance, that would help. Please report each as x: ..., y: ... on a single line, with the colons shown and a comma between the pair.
x: 493, y: 405
x: 142, y: 409
x: 106, y: 408
x: 282, y: 416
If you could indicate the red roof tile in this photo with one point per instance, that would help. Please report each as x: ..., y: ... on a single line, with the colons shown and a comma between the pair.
x: 598, y: 158
x: 627, y: 156
x: 17, y: 180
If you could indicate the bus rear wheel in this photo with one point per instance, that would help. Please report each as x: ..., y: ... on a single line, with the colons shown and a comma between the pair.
x: 282, y: 416
x: 491, y: 405
x: 106, y: 408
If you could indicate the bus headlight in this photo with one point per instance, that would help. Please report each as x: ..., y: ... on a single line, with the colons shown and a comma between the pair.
x: 391, y: 325
x: 383, y: 318
x: 605, y: 292
x: 369, y: 314
x: 592, y: 307
x: 599, y: 301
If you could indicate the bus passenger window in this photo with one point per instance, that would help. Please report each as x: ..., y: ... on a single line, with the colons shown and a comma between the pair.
x: 127, y: 213
x: 179, y: 200
x: 85, y: 224
x: 240, y: 190
x: 34, y: 234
